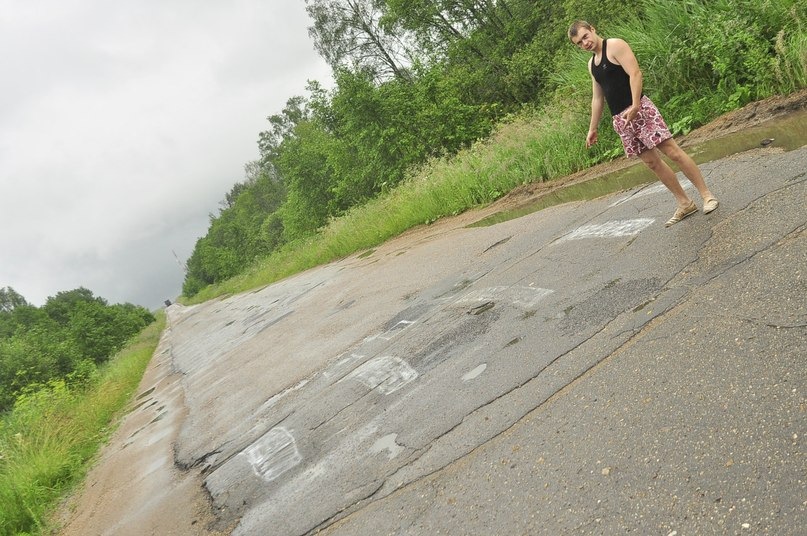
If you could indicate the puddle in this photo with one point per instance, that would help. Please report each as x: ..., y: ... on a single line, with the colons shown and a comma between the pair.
x: 788, y: 133
x: 145, y: 393
x: 475, y: 373
x: 366, y: 254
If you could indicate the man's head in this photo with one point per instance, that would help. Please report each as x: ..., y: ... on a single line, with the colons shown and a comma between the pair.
x: 583, y: 35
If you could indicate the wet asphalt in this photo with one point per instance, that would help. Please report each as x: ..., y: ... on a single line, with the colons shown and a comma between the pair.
x: 578, y: 370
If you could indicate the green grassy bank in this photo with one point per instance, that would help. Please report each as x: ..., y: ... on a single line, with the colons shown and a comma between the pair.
x: 50, y: 437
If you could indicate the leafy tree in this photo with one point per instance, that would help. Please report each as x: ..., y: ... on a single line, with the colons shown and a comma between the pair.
x: 239, y: 233
x: 281, y: 127
x: 60, y: 306
x: 352, y: 34
x: 306, y: 162
x: 100, y: 330
x: 22, y: 317
x: 10, y: 299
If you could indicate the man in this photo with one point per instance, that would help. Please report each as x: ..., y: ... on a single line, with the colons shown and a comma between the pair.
x: 617, y: 80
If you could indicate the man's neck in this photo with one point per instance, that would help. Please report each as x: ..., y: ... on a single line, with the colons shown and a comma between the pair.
x: 598, y: 47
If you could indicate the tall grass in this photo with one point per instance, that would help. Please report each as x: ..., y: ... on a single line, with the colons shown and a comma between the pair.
x: 702, y: 59
x: 790, y: 67
x: 699, y: 59
x: 48, y: 439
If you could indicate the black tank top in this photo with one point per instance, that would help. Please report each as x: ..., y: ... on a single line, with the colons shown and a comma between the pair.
x: 614, y: 81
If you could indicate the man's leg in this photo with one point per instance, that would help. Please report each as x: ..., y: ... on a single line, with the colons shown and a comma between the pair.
x: 686, y: 206
x: 665, y: 174
x: 687, y: 166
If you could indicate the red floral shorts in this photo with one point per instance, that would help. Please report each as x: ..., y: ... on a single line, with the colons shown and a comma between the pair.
x: 646, y: 131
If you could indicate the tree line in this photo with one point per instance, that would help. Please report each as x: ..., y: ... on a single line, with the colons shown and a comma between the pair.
x: 416, y: 80
x: 66, y: 339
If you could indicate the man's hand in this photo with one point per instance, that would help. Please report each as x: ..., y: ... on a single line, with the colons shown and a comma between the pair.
x: 632, y: 112
x: 591, y: 139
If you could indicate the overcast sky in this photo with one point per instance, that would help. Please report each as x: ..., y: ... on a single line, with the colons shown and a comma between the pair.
x: 124, y: 124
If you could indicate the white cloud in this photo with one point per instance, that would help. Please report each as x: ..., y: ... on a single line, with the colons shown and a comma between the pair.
x: 122, y: 125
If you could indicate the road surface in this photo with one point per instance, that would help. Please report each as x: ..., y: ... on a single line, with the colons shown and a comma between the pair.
x: 578, y: 370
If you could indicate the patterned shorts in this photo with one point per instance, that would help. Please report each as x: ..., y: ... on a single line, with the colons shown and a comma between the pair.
x: 646, y: 131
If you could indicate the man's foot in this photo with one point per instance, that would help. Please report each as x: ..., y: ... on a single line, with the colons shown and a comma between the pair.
x: 709, y: 204
x: 682, y: 213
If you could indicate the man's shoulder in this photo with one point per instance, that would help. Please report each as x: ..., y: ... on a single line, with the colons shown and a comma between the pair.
x: 615, y: 43
x: 618, y: 48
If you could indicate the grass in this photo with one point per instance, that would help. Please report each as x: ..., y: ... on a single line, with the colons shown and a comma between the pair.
x: 50, y: 437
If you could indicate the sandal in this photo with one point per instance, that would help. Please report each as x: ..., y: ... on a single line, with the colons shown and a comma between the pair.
x: 709, y: 204
x: 682, y: 213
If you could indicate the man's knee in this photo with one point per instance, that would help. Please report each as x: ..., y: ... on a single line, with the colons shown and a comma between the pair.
x: 672, y: 150
x: 652, y: 160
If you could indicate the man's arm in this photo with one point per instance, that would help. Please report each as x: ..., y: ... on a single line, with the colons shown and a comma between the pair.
x: 622, y: 54
x: 597, y: 103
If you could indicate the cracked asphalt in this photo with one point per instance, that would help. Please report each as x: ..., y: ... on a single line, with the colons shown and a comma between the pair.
x: 579, y: 370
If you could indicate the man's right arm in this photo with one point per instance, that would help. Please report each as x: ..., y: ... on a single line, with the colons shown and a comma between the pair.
x: 597, y: 104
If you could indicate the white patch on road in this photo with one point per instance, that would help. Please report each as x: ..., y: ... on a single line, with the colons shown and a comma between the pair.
x: 273, y: 454
x: 526, y: 297
x: 393, y: 331
x: 475, y: 373
x: 658, y: 188
x: 387, y: 443
x: 611, y: 229
x: 341, y: 367
x: 385, y: 374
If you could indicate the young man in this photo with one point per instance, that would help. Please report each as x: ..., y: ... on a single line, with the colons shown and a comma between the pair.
x: 617, y: 80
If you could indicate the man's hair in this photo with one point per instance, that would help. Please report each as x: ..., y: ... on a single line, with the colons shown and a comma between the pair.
x: 577, y: 26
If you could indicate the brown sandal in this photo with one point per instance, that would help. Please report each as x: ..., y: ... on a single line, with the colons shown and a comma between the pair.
x: 682, y: 213
x: 709, y: 204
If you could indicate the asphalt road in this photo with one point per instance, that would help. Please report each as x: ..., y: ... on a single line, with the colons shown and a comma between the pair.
x: 579, y: 370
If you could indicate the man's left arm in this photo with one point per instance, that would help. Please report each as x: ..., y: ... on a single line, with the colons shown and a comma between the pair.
x: 624, y: 56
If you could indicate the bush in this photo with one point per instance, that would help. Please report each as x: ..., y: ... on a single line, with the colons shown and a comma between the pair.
x: 55, y: 428
x: 72, y: 331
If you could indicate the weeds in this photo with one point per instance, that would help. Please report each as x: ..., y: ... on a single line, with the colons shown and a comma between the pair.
x: 48, y: 438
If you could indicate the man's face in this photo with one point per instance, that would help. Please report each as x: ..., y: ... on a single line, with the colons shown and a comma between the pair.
x: 586, y: 39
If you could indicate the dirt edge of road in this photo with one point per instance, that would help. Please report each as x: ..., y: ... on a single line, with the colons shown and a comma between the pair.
x: 183, y: 507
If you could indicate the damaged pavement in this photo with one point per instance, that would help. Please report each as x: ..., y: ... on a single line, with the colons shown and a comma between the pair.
x: 578, y: 370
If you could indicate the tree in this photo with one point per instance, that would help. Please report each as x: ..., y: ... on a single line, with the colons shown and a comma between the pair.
x: 352, y: 34
x: 24, y: 317
x: 245, y: 228
x: 439, y: 24
x: 62, y: 340
x: 34, y: 356
x: 100, y: 330
x: 61, y: 306
x: 306, y: 163
x: 281, y: 127
x: 14, y: 312
x: 10, y: 299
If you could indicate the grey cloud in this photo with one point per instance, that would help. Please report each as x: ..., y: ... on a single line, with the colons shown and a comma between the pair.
x: 122, y: 126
